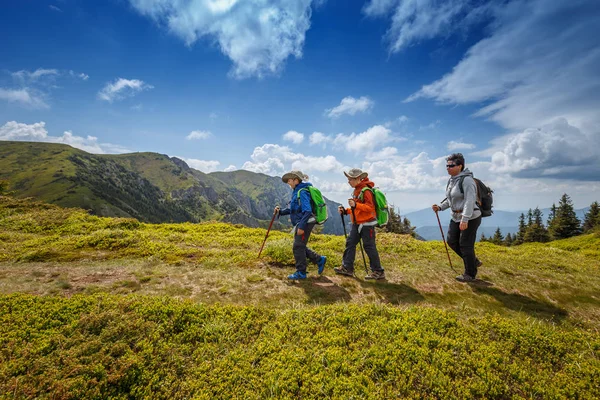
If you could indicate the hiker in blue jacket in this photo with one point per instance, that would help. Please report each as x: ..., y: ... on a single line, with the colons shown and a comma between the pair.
x: 301, y: 215
x: 466, y: 216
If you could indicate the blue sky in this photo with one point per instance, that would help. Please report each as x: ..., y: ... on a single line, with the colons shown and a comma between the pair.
x: 390, y: 86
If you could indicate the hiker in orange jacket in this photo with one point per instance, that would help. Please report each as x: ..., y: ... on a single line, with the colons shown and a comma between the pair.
x: 364, y: 219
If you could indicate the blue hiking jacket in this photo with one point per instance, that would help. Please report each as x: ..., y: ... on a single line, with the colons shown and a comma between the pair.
x: 299, y: 211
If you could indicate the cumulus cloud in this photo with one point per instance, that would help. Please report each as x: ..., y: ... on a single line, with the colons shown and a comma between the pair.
x: 417, y: 20
x: 349, y: 105
x: 453, y: 145
x: 231, y: 168
x: 81, y: 75
x: 122, y: 88
x: 37, y: 132
x: 294, y: 137
x: 258, y: 36
x: 202, y: 165
x: 272, y: 159
x: 195, y: 135
x: 364, y: 141
x: 317, y: 138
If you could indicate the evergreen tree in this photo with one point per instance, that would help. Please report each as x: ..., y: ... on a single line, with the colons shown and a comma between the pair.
x: 537, y: 232
x: 498, y: 238
x: 407, y: 228
x: 592, y: 217
x: 565, y: 223
x: 394, y: 224
x: 529, y: 217
x: 551, y: 215
x: 508, y: 240
x: 520, y: 236
x: 483, y: 238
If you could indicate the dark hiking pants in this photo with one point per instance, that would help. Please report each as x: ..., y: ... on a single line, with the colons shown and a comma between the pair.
x: 301, y: 251
x: 367, y: 234
x: 463, y: 244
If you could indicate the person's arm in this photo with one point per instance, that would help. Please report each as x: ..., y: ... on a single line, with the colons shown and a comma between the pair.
x: 305, y: 209
x: 444, y: 205
x: 470, y: 189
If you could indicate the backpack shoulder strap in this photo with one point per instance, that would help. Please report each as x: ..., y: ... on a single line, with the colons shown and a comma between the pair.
x: 361, y: 196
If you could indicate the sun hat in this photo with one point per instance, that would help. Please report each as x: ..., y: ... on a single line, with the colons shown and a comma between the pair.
x: 293, y: 175
x: 356, y: 173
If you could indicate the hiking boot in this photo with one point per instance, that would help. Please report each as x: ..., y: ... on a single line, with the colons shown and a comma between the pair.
x: 321, y: 264
x: 465, y: 278
x: 297, y: 276
x: 343, y: 271
x: 376, y: 275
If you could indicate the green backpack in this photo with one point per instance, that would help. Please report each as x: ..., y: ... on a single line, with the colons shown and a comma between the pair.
x: 381, y: 205
x: 317, y: 203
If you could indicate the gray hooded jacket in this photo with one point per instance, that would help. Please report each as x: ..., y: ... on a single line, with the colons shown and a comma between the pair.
x: 463, y: 205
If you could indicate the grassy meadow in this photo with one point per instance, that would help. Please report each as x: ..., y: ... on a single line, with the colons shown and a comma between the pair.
x: 100, y: 308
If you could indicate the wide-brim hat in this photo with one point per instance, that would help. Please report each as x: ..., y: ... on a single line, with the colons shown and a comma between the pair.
x: 293, y: 175
x: 356, y: 173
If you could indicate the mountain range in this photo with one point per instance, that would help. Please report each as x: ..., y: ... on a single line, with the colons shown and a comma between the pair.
x: 508, y: 222
x: 150, y: 187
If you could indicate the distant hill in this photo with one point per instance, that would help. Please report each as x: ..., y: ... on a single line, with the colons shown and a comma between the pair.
x: 508, y: 221
x: 150, y: 187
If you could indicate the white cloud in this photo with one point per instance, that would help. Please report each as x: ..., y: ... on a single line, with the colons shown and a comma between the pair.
x: 364, y: 141
x: 25, y: 96
x: 26, y: 76
x: 12, y: 130
x: 199, y: 135
x: 417, y: 20
x: 81, y: 75
x: 272, y: 159
x: 231, y: 168
x: 54, y: 8
x: 453, y: 145
x: 556, y: 150
x: 202, y: 165
x: 350, y: 105
x: 383, y: 154
x: 294, y: 137
x: 122, y: 88
x: 258, y: 36
x: 37, y: 132
x: 319, y: 138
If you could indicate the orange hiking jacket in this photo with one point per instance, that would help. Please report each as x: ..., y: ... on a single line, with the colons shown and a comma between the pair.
x: 365, y: 209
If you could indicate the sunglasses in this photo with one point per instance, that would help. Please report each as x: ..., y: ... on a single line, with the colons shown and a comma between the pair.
x: 451, y: 165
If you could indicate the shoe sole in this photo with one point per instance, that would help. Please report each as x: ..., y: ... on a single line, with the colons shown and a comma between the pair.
x: 344, y: 273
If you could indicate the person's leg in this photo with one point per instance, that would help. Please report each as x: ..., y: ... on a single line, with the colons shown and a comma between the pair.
x: 368, y: 238
x: 350, y: 250
x: 300, y: 250
x: 453, y: 238
x: 310, y: 253
x: 467, y: 247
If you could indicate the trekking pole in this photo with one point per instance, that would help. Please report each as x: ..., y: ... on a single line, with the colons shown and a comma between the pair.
x: 360, y: 242
x: 444, y: 239
x: 268, y: 230
x: 344, y: 225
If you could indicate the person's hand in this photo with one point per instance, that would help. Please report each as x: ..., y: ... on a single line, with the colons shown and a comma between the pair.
x: 300, y: 231
x: 351, y: 203
x: 463, y: 225
x: 341, y: 210
x: 276, y: 210
x: 436, y: 208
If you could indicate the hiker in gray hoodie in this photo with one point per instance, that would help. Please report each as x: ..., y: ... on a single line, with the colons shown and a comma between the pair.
x: 466, y: 216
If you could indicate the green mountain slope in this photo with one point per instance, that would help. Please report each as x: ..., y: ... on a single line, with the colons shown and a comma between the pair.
x: 148, y: 186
